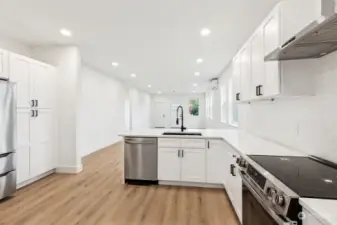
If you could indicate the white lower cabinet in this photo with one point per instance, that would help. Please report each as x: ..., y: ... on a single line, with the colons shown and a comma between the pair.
x: 169, y: 164
x: 181, y: 165
x: 233, y: 183
x: 215, y: 162
x: 193, y: 165
x: 43, y: 157
x: 201, y: 161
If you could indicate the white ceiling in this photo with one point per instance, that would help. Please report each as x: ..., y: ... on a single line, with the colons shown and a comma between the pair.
x: 158, y: 40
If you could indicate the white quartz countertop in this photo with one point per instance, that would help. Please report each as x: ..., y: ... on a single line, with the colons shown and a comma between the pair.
x: 242, y: 141
x: 324, y: 210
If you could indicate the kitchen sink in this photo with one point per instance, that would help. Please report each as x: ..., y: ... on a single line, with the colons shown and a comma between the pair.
x: 183, y: 133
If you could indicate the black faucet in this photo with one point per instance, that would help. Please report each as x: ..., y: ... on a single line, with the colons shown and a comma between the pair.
x: 182, y: 118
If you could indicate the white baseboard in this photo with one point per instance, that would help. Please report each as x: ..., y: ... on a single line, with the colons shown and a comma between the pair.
x: 69, y: 169
x: 191, y: 184
x: 32, y: 180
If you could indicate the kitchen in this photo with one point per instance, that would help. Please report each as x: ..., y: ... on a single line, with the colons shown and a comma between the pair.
x: 233, y: 125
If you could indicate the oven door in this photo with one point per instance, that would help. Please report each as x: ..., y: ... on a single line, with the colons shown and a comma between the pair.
x: 255, y: 211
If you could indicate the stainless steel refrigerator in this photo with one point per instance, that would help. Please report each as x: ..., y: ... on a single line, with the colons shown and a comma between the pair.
x: 7, y: 138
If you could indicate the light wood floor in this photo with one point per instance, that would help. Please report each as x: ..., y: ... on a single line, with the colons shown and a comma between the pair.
x: 96, y: 196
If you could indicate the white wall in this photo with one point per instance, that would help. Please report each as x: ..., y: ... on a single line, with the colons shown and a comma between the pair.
x: 14, y: 46
x: 140, y: 103
x: 215, y: 122
x: 101, y: 113
x: 308, y: 124
x: 67, y: 59
x: 191, y: 122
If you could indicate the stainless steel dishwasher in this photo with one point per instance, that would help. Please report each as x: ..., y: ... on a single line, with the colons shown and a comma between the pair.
x: 141, y: 160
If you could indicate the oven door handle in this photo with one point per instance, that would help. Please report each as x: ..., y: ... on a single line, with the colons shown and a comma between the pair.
x: 257, y: 196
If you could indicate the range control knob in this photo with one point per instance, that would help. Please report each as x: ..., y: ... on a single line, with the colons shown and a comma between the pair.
x: 271, y: 192
x: 279, y: 200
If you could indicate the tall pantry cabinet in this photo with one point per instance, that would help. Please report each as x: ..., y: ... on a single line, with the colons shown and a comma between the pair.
x: 35, y: 87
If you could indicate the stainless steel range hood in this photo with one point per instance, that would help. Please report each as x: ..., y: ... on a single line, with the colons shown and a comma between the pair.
x: 316, y: 40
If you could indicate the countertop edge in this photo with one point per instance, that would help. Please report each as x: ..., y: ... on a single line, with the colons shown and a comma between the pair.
x: 314, y: 213
x: 187, y: 137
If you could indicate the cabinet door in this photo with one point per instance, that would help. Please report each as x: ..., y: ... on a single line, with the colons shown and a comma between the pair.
x: 257, y: 64
x: 193, y: 165
x: 20, y: 74
x: 271, y: 38
x: 272, y: 31
x: 169, y: 164
x: 23, y: 146
x: 245, y: 74
x: 42, y: 81
x: 42, y: 154
x: 236, y: 75
x: 4, y: 64
x: 216, y: 160
x: 237, y: 193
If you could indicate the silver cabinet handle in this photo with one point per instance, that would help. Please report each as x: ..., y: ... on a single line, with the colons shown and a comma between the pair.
x: 32, y: 113
x: 182, y: 153
x: 37, y: 113
x: 37, y: 103
x: 178, y: 153
x: 32, y: 103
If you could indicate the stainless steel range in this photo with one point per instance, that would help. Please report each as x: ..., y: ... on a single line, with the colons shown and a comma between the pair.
x: 273, y: 185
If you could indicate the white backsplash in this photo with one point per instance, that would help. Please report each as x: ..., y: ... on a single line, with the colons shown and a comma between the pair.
x: 308, y: 124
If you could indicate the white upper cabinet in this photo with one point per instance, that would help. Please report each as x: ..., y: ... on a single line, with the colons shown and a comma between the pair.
x: 285, y: 21
x: 245, y: 65
x: 260, y: 79
x: 20, y: 74
x: 4, y: 64
x: 43, y: 85
x: 237, y: 76
x: 257, y: 64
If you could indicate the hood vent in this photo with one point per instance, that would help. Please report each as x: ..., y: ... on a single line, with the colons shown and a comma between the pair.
x: 315, y: 41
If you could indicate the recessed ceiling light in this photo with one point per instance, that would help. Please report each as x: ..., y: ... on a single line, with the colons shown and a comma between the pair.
x: 205, y: 32
x: 200, y: 60
x: 65, y: 32
x: 159, y: 92
x: 193, y: 91
x: 149, y: 86
x: 133, y: 75
x: 115, y: 64
x: 195, y: 85
x: 197, y: 74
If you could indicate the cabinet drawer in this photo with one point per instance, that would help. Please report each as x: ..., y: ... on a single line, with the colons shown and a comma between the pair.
x: 215, y: 144
x: 169, y: 142
x: 193, y: 143
x: 7, y: 163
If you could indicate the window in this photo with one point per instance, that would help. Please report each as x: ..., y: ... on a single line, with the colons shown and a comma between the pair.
x: 209, y: 104
x: 233, y: 107
x: 211, y: 101
x: 223, y: 96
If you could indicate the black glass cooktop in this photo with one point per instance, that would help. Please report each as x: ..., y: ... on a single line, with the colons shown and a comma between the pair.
x: 305, y: 176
